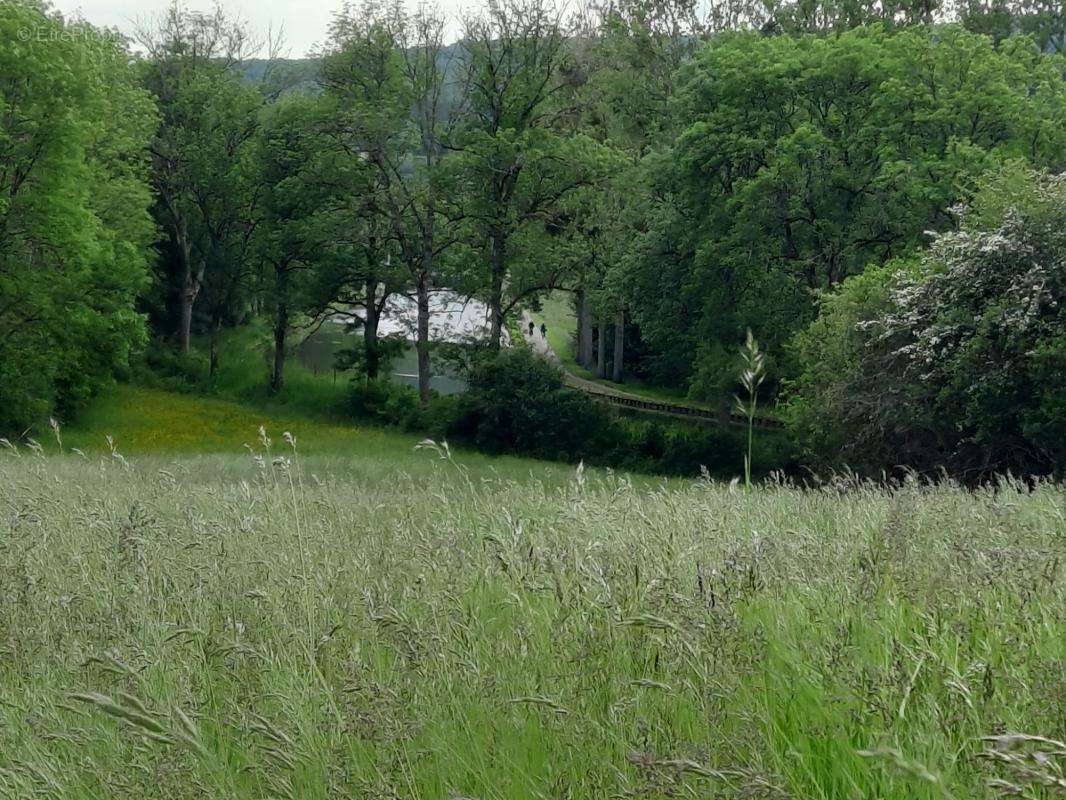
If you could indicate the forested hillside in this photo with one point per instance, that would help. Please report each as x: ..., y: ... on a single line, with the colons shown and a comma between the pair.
x: 873, y: 193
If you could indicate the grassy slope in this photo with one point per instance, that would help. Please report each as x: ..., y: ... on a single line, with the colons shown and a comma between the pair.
x: 245, y: 362
x: 390, y: 625
x: 167, y: 425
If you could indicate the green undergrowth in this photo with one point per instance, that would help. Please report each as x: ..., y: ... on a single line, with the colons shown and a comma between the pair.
x: 243, y: 375
x: 649, y: 444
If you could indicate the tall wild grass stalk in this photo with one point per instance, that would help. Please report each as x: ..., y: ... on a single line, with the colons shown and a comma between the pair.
x: 752, y: 375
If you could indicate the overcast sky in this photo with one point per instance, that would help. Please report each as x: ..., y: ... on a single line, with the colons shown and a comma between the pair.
x: 305, y: 22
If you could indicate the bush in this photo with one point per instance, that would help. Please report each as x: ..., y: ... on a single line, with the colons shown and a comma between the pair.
x: 954, y: 360
x: 438, y: 419
x: 163, y: 367
x: 382, y: 401
x: 831, y: 402
x: 518, y: 403
x: 684, y: 448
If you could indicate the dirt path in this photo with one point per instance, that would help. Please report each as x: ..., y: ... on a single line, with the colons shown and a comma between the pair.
x: 617, y: 397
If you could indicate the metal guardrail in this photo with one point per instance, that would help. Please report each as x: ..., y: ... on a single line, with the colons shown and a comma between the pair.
x: 639, y: 403
x: 690, y: 412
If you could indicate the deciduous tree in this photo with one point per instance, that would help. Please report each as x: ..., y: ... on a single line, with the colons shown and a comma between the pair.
x: 75, y: 233
x: 388, y: 73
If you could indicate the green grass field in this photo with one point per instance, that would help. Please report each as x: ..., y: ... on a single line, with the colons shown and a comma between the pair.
x: 167, y: 426
x: 357, y: 618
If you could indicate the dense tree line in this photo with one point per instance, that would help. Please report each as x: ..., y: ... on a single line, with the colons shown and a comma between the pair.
x: 802, y: 161
x: 685, y: 174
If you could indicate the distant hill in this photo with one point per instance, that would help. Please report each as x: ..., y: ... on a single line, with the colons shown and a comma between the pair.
x: 301, y: 74
x: 294, y: 74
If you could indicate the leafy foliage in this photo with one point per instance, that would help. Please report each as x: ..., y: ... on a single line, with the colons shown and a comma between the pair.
x: 202, y: 165
x: 74, y: 226
x: 957, y: 360
x: 805, y: 159
x: 681, y: 173
x: 518, y: 403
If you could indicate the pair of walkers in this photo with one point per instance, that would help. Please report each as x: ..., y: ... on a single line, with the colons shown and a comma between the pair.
x: 543, y: 330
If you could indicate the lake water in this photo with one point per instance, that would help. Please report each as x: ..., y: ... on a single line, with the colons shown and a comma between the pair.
x: 452, y: 319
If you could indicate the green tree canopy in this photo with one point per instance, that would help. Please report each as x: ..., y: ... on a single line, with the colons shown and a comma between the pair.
x: 805, y: 159
x: 955, y: 359
x: 75, y: 231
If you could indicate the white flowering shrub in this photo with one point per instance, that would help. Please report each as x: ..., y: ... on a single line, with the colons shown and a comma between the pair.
x: 956, y: 359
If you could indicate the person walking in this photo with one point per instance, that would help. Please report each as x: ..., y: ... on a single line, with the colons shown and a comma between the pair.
x: 543, y: 331
x: 531, y: 329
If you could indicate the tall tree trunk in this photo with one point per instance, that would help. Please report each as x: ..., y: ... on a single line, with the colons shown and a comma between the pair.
x: 601, y: 351
x: 584, y: 330
x: 422, y: 340
x: 496, y: 277
x: 619, y: 345
x: 216, y: 335
x: 281, y: 325
x: 190, y: 284
x: 281, y: 328
x: 185, y: 329
x: 371, y: 353
x: 423, y: 277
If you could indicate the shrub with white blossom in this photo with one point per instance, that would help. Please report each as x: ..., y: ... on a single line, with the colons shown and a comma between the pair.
x: 956, y: 359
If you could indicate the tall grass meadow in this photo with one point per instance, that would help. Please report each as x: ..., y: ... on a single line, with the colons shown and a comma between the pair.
x: 279, y: 623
